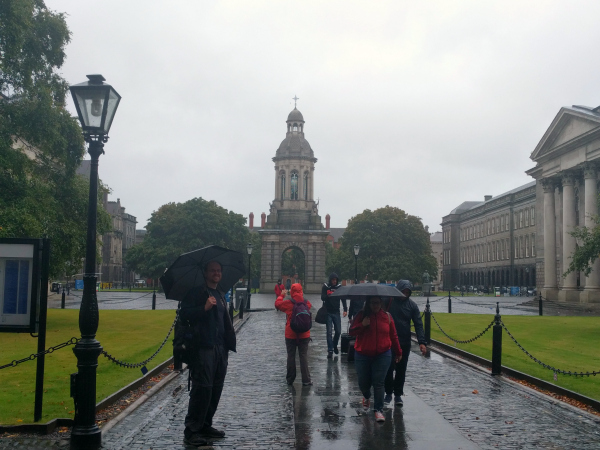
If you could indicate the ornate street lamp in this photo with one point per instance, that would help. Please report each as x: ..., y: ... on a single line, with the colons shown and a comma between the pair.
x: 249, y: 250
x: 96, y: 104
x: 356, y: 250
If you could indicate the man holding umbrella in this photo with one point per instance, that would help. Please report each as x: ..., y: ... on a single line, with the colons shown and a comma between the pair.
x: 204, y: 308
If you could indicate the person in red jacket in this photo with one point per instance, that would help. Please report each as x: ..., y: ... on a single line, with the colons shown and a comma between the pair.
x: 293, y: 339
x: 279, y: 287
x: 376, y: 337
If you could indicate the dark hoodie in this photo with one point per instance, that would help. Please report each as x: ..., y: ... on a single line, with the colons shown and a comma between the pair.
x: 403, y: 310
x: 332, y: 304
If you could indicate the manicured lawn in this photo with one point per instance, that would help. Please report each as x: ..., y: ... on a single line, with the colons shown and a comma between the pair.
x: 567, y: 343
x: 131, y: 336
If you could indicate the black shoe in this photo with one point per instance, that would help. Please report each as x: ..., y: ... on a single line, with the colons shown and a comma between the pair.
x: 329, y: 355
x: 310, y: 383
x: 212, y: 432
x: 335, y: 350
x: 196, y: 440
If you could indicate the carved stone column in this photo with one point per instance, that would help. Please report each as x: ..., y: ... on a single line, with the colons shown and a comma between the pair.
x: 568, y: 200
x: 592, y: 283
x: 550, y: 284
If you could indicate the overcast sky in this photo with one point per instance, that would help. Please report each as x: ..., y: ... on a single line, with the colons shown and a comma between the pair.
x: 418, y: 105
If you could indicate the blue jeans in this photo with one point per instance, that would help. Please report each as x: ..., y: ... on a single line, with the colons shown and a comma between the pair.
x: 371, y: 371
x: 335, y: 321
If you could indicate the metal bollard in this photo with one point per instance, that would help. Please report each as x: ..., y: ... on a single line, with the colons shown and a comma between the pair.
x: 541, y: 312
x: 449, y: 303
x: 231, y: 301
x: 241, y: 312
x: 497, y: 343
x: 154, y: 300
x: 427, y: 323
x: 62, y: 301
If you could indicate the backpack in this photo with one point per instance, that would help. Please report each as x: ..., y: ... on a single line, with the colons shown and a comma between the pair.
x: 301, y: 320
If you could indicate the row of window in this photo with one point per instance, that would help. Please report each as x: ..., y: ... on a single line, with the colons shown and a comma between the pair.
x: 523, y: 218
x: 524, y: 247
x: 294, y: 186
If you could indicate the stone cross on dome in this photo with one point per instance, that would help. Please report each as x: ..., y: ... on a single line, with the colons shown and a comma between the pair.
x: 295, y: 100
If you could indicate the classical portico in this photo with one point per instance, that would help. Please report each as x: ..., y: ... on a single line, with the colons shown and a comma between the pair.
x: 293, y: 221
x: 567, y: 161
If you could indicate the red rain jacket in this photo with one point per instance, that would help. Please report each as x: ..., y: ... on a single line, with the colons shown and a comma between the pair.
x: 287, y: 306
x: 376, y: 338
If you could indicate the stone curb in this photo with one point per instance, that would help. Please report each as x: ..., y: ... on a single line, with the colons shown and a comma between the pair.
x: 157, y: 387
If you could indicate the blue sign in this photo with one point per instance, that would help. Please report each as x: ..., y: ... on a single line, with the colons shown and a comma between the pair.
x: 514, y: 290
x: 78, y: 284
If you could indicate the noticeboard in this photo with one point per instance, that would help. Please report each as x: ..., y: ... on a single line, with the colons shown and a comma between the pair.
x: 20, y: 274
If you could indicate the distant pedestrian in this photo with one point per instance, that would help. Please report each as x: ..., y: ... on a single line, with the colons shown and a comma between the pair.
x: 205, y: 310
x: 376, y: 345
x: 279, y: 287
x: 334, y: 321
x: 403, y: 311
x: 288, y: 284
x: 293, y: 339
x: 356, y: 305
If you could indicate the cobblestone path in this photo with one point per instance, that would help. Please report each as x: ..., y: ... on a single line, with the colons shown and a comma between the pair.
x: 255, y: 411
x: 502, y: 415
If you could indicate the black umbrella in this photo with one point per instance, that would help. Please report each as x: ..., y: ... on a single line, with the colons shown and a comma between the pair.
x: 187, y: 271
x: 364, y: 290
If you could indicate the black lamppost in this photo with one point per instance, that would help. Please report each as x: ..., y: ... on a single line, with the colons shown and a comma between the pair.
x: 96, y: 104
x: 356, y: 250
x: 249, y: 250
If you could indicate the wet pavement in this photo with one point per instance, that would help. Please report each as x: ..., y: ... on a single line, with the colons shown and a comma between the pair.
x: 448, y: 405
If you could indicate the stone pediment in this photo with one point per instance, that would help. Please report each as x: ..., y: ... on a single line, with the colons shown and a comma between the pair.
x: 570, y: 128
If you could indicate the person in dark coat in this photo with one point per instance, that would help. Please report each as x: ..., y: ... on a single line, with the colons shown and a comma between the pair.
x: 334, y: 321
x: 403, y: 310
x: 204, y: 309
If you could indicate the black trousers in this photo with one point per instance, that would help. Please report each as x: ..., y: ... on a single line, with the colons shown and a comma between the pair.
x: 393, y: 383
x: 302, y: 345
x: 208, y: 375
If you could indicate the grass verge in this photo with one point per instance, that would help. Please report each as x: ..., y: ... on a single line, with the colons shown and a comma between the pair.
x: 130, y: 336
x: 567, y: 343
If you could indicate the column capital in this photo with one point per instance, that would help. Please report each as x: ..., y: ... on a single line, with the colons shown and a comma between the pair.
x: 567, y: 178
x: 548, y: 184
x: 590, y: 170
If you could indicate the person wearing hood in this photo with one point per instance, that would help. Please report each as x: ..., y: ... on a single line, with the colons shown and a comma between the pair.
x: 279, y: 287
x: 295, y: 340
x: 334, y: 321
x: 403, y: 310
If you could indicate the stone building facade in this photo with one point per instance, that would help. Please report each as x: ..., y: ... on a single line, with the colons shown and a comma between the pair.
x: 293, y: 221
x: 523, y: 237
x: 491, y: 243
x: 116, y: 243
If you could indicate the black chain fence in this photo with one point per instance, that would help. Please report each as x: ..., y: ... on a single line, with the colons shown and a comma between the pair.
x: 143, y: 363
x: 468, y: 341
x: 546, y: 366
x: 33, y: 356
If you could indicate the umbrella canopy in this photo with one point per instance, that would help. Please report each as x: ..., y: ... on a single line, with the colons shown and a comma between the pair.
x: 364, y: 290
x: 187, y: 271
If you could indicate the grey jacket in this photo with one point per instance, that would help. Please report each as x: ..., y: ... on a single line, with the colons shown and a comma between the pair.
x: 403, y: 310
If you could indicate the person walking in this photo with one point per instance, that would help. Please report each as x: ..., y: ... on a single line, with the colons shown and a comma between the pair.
x: 375, y: 347
x: 204, y: 309
x: 294, y: 340
x: 403, y: 310
x: 279, y: 287
x: 334, y: 321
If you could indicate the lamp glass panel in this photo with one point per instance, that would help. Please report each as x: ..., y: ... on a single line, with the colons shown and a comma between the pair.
x: 113, y: 102
x: 91, y: 106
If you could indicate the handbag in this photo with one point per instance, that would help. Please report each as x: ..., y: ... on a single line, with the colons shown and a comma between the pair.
x: 321, y: 316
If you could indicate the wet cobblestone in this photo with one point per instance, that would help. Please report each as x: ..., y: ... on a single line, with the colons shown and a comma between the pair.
x: 502, y: 414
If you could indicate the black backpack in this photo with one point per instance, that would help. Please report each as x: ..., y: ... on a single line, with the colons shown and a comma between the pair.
x: 301, y: 320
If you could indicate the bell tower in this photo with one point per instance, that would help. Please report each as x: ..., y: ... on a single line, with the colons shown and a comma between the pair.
x: 293, y: 220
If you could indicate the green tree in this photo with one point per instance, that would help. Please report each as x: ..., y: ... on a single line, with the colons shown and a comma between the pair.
x: 587, y: 249
x: 393, y: 245
x: 178, y: 228
x: 41, y: 144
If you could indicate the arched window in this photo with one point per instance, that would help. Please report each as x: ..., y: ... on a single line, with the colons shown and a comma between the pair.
x: 282, y: 186
x: 295, y: 128
x: 294, y: 186
x: 305, y: 187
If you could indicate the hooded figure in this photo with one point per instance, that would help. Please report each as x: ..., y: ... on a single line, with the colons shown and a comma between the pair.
x: 334, y: 321
x: 278, y: 288
x: 403, y: 310
x: 293, y: 339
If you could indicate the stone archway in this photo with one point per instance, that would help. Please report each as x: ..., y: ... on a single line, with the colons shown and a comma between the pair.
x: 293, y: 264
